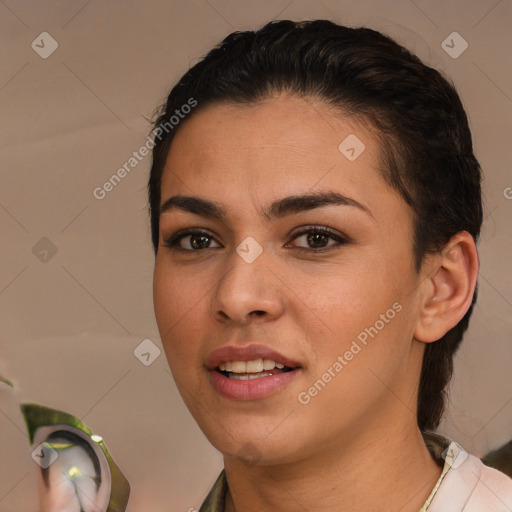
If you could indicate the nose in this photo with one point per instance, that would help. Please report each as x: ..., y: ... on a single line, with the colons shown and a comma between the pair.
x: 247, y: 292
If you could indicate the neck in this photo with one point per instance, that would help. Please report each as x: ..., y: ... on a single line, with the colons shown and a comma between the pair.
x: 394, y: 473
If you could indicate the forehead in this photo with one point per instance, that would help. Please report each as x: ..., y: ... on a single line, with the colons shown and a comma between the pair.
x: 288, y: 137
x: 247, y: 156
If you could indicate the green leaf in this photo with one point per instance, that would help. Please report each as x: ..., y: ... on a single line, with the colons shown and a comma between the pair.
x: 37, y: 416
x: 6, y: 381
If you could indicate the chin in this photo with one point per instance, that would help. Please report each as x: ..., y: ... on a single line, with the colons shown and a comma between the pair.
x: 265, y: 444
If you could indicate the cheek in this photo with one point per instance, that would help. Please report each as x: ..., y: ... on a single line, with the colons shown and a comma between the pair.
x: 177, y: 305
x: 355, y: 306
x: 164, y: 299
x: 346, y: 300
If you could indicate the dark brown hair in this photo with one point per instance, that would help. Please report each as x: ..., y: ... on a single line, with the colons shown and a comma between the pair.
x: 426, y: 144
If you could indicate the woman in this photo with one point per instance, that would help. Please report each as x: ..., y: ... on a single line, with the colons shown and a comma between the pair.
x: 315, y: 204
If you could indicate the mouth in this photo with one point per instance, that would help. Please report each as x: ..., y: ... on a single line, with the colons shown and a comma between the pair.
x: 249, y: 372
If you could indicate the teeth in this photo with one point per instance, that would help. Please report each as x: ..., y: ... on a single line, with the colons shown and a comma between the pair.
x: 248, y: 376
x: 236, y: 366
x: 254, y: 366
x: 268, y: 364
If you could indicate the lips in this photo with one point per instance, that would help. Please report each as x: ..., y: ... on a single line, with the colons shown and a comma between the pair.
x: 250, y: 385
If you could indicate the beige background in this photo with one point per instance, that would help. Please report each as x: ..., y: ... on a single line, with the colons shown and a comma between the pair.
x: 69, y: 325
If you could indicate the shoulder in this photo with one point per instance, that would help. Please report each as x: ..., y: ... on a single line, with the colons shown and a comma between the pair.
x: 495, y: 487
x: 471, y: 486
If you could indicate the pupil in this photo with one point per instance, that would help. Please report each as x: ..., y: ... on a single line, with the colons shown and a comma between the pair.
x: 313, y: 239
x: 202, y: 244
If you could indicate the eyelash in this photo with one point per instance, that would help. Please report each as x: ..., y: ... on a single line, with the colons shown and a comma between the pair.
x: 173, y: 241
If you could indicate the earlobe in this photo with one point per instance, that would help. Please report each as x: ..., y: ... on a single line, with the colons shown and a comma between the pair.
x: 448, y: 288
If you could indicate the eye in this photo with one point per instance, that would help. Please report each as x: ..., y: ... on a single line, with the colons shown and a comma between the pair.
x: 197, y: 240
x: 317, y: 238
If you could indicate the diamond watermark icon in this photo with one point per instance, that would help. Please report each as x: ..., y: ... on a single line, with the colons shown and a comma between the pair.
x: 250, y: 453
x: 351, y: 147
x: 44, y: 455
x: 249, y: 249
x: 44, y: 250
x: 455, y: 455
x: 147, y: 352
x: 454, y: 45
x: 44, y: 45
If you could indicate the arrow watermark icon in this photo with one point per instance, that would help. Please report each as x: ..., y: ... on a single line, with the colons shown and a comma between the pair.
x: 44, y: 250
x: 249, y: 249
x: 147, y: 352
x: 44, y: 45
x: 351, y: 147
x: 454, y: 45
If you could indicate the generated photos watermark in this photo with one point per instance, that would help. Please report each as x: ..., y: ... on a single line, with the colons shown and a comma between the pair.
x: 137, y: 156
x: 304, y: 397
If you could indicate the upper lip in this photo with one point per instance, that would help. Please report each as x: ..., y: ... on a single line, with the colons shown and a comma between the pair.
x: 246, y: 353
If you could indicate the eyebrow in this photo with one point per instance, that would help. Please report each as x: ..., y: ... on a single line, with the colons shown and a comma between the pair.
x: 278, y: 209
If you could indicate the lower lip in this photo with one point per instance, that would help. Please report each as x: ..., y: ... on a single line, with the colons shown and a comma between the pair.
x: 251, y: 389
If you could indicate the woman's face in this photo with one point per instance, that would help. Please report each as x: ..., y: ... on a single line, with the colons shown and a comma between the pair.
x: 260, y: 281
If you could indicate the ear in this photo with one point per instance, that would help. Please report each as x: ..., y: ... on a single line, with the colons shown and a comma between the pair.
x: 447, y: 288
